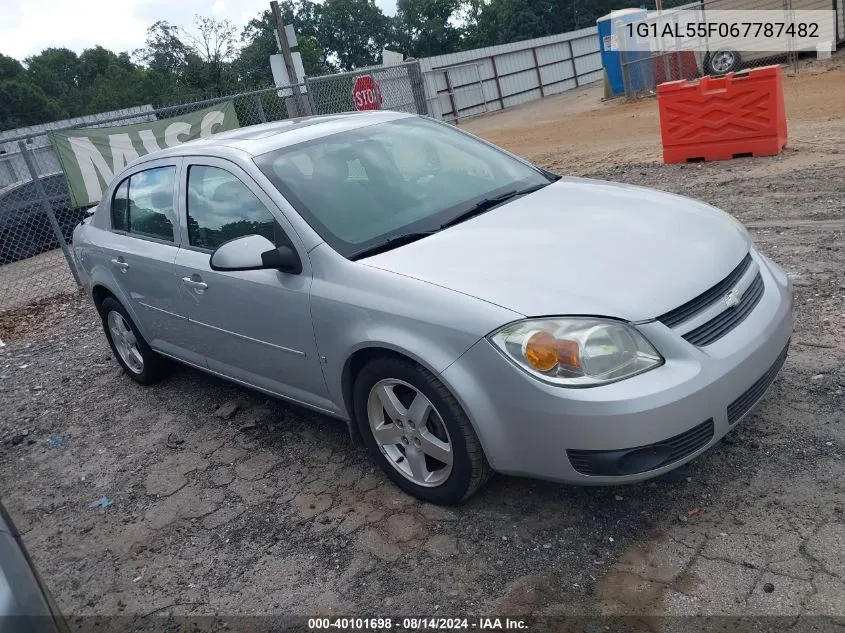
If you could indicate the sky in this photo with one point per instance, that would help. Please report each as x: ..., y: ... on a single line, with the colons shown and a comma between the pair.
x: 28, y: 26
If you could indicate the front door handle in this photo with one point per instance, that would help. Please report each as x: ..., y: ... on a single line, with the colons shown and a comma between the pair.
x: 191, y: 283
x: 120, y: 264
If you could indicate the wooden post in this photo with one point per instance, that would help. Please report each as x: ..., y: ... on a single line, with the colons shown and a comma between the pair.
x: 286, y: 55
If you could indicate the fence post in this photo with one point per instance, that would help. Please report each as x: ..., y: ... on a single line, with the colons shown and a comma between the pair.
x: 537, y: 69
x: 298, y: 105
x: 574, y: 67
x: 309, y: 92
x: 418, y: 88
x: 260, y: 107
x: 481, y: 86
x: 48, y: 210
x: 623, y: 59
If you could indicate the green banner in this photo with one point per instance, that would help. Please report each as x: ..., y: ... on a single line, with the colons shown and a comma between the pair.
x: 91, y: 157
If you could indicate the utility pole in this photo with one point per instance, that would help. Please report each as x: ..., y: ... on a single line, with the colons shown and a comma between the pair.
x: 659, y: 4
x: 286, y: 55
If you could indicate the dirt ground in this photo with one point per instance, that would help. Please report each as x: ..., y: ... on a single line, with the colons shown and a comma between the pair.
x: 273, y: 511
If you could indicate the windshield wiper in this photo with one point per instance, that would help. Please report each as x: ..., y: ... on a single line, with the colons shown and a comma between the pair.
x: 393, y: 242
x: 477, y: 209
x: 488, y: 203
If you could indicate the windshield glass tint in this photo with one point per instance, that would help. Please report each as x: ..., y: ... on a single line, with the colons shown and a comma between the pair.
x: 362, y: 187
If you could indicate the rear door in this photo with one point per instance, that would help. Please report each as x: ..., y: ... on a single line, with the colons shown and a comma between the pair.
x: 253, y: 326
x: 141, y: 249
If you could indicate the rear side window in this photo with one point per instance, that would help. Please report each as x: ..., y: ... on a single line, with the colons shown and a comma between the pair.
x: 143, y: 204
x: 120, y: 207
x: 222, y: 208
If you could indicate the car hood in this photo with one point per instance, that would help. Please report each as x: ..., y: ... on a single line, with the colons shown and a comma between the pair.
x: 581, y: 246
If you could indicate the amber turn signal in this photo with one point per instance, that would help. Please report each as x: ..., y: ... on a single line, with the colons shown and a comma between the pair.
x: 544, y: 352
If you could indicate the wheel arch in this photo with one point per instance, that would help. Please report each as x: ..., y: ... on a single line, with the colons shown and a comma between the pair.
x: 356, y: 361
x: 101, y: 288
x: 99, y: 292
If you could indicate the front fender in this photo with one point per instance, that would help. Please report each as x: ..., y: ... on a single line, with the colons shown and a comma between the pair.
x: 374, y: 308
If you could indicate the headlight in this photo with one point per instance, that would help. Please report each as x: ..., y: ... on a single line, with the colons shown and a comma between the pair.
x: 577, y: 351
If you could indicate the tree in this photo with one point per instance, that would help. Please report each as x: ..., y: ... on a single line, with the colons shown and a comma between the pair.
x: 164, y: 52
x: 118, y: 87
x: 25, y: 104
x: 424, y: 27
x: 258, y: 37
x: 56, y: 72
x: 187, y: 66
x: 10, y: 68
x: 505, y: 21
x: 353, y: 31
x: 214, y: 46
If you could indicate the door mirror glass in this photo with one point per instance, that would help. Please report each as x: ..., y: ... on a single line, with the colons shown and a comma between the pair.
x: 255, y: 252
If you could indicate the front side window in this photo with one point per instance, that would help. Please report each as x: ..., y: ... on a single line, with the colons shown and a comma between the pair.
x: 361, y: 187
x: 143, y: 204
x: 222, y: 208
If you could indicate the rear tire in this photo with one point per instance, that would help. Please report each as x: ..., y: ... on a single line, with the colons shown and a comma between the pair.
x: 137, y: 359
x: 421, y: 437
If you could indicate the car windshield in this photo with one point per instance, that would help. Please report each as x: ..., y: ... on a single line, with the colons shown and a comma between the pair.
x: 362, y: 188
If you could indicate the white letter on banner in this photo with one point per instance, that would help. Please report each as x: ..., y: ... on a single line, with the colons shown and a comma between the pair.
x: 149, y: 141
x: 90, y: 161
x: 210, y: 121
x: 122, y: 151
x: 174, y: 131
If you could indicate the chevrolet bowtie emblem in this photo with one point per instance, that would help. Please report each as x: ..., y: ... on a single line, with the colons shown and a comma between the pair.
x: 733, y: 298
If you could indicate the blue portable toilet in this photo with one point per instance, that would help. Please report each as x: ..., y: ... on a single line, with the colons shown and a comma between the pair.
x: 638, y: 63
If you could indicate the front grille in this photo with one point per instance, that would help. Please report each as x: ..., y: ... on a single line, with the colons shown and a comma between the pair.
x: 691, y: 308
x: 743, y: 404
x: 657, y: 455
x: 726, y: 321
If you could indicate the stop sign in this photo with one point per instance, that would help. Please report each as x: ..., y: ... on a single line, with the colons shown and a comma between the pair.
x: 366, y: 93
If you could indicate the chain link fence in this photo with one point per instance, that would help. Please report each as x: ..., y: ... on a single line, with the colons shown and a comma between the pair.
x: 401, y: 87
x: 643, y: 71
x: 37, y: 217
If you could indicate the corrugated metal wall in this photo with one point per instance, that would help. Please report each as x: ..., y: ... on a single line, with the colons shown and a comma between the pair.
x: 488, y: 79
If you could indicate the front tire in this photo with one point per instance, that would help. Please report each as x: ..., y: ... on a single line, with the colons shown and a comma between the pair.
x: 137, y: 359
x: 418, y: 433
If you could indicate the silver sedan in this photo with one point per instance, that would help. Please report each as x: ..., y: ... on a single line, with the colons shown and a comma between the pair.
x: 463, y: 311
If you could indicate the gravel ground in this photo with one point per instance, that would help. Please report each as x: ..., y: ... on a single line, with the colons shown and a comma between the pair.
x: 273, y: 510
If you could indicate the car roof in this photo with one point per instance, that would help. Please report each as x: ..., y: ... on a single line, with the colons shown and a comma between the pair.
x: 265, y: 137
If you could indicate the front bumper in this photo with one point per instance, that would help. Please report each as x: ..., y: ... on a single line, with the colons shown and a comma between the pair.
x: 533, y: 429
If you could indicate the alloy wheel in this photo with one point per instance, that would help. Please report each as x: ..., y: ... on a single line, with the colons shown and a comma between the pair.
x: 125, y: 342
x: 410, y: 432
x: 722, y: 61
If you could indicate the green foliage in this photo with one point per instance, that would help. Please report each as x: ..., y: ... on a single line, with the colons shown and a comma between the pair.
x: 24, y: 104
x: 253, y: 66
x: 354, y: 31
x: 177, y: 65
x: 423, y: 28
x: 10, y: 68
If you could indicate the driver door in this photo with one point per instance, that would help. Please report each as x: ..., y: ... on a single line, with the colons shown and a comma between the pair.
x: 252, y: 326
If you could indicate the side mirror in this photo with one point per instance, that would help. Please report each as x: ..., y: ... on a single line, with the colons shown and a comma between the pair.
x: 255, y: 252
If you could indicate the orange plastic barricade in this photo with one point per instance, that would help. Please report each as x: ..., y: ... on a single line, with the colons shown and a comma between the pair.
x: 724, y: 117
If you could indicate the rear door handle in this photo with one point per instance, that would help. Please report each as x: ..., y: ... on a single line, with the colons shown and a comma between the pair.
x: 120, y: 264
x: 199, y: 285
